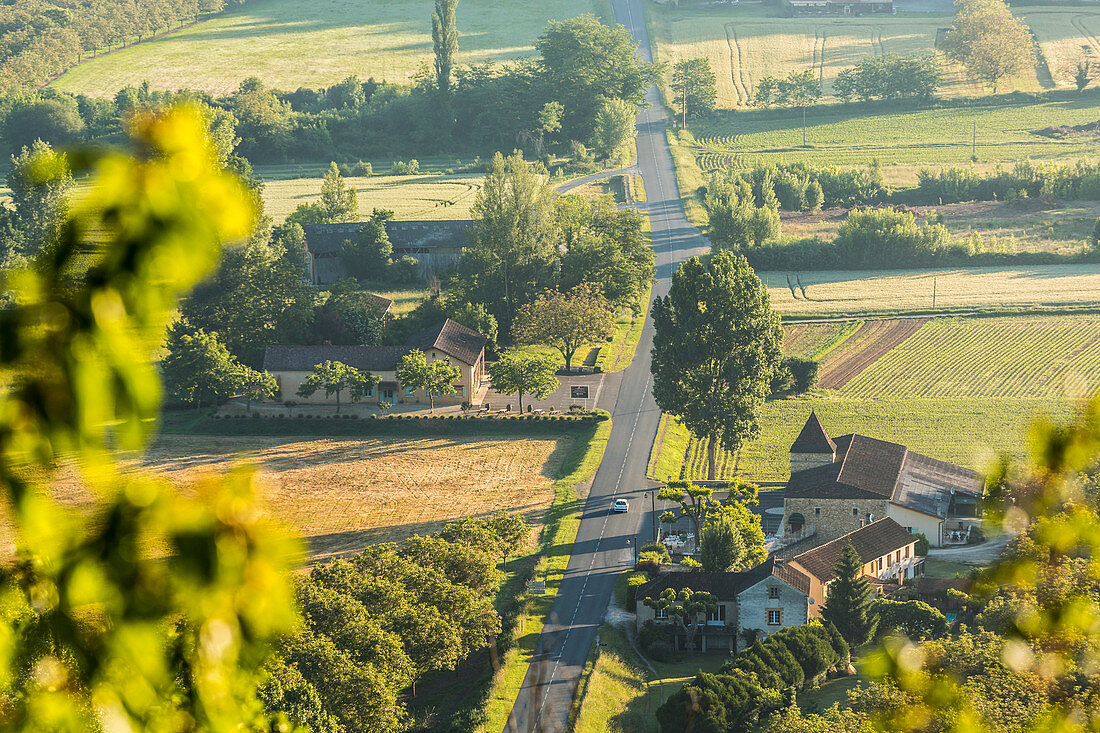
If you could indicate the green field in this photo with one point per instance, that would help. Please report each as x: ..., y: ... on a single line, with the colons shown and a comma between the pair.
x: 849, y: 135
x: 972, y: 288
x: 1064, y: 34
x: 1054, y: 357
x: 434, y: 196
x: 289, y: 44
x: 815, y: 340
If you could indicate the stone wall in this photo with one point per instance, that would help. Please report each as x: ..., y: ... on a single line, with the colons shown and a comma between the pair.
x: 755, y: 602
x: 803, y: 461
x: 835, y: 517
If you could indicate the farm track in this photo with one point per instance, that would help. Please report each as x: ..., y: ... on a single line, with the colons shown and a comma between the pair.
x: 1085, y: 32
x: 866, y: 346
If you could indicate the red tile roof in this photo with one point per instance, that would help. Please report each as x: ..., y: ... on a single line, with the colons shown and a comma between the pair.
x: 871, y: 542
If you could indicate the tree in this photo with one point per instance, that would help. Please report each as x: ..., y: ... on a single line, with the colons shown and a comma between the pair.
x: 587, y: 63
x: 367, y: 256
x: 694, y: 87
x: 688, y: 609
x: 437, y: 378
x: 800, y: 89
x: 696, y: 502
x: 989, y: 40
x: 606, y: 246
x: 523, y: 373
x: 1082, y: 75
x: 40, y: 183
x: 720, y: 545
x: 198, y: 367
x: 80, y: 390
x: 513, y: 248
x: 613, y: 130
x: 846, y: 602
x: 739, y: 225
x: 565, y: 321
x: 334, y: 377
x: 54, y: 121
x: 767, y: 92
x: 716, y: 347
x: 257, y: 385
x: 338, y: 202
x: 444, y: 43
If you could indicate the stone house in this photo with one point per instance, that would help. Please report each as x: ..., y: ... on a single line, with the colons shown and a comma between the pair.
x: 766, y: 598
x: 840, y: 485
x: 436, y: 245
x: 452, y: 342
x: 886, y: 549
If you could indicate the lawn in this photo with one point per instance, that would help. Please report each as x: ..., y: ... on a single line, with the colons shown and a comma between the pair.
x: 943, y: 135
x: 434, y: 196
x: 342, y: 494
x: 289, y: 44
x: 974, y: 288
x: 1049, y: 357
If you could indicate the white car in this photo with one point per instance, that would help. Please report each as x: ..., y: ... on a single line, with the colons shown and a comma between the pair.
x: 620, y: 505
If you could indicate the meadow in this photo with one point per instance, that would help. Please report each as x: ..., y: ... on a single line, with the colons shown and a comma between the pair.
x: 993, y: 130
x: 290, y: 44
x: 343, y: 494
x: 427, y: 196
x: 974, y: 288
x: 1066, y: 36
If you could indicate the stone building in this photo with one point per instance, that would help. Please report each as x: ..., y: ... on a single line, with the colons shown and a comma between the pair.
x: 449, y: 341
x: 764, y: 599
x: 838, y: 486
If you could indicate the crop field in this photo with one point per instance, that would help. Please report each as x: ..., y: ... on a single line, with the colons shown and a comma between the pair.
x: 815, y: 340
x: 410, y: 197
x: 1066, y: 36
x: 342, y: 494
x: 1053, y: 357
x: 969, y: 431
x: 745, y: 44
x: 941, y: 136
x: 289, y: 44
x: 863, y: 347
x: 973, y: 288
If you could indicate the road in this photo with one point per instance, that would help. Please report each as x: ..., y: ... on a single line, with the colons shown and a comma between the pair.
x: 603, y: 547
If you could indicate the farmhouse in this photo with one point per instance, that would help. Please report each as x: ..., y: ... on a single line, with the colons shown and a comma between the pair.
x: 838, y: 486
x: 450, y: 341
x: 436, y: 245
x: 837, y: 7
x: 887, y: 550
x: 765, y: 599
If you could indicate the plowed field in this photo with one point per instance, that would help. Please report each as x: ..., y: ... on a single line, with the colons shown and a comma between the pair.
x: 864, y: 348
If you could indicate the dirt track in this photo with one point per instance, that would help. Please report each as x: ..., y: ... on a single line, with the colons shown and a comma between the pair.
x: 864, y: 347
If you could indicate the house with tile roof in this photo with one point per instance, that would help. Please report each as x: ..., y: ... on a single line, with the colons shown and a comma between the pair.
x: 839, y: 485
x: 886, y: 549
x: 450, y: 341
x: 764, y: 599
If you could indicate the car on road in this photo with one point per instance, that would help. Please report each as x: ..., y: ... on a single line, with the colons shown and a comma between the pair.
x: 620, y: 505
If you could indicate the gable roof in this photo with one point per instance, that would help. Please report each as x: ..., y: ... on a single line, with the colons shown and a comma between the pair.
x: 382, y: 304
x: 724, y: 586
x: 813, y: 438
x: 878, y: 538
x: 452, y: 338
x: 866, y: 468
x: 330, y: 238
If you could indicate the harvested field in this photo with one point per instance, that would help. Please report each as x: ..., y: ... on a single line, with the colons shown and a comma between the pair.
x: 864, y: 348
x: 1052, y: 357
x: 342, y: 495
x: 815, y: 340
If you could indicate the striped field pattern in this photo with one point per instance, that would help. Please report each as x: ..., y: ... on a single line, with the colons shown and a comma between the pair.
x: 1051, y: 357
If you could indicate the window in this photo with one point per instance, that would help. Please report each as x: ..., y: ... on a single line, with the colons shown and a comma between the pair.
x: 775, y: 616
x: 909, y: 530
x: 907, y: 552
x: 817, y: 511
x: 410, y: 392
x: 855, y: 511
x: 460, y: 390
x: 880, y: 563
x: 717, y: 618
x: 660, y: 613
x: 773, y: 591
x: 370, y: 392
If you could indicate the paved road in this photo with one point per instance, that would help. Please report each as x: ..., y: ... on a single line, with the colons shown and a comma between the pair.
x: 603, y: 547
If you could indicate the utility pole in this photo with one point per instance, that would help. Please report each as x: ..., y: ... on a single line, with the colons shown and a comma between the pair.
x: 933, y: 293
x: 974, y: 143
x: 803, y: 125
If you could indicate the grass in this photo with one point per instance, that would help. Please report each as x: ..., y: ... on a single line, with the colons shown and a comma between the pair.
x: 890, y: 291
x: 934, y: 568
x: 618, y: 353
x: 405, y: 298
x: 432, y: 197
x: 1063, y: 35
x: 667, y: 455
x: 343, y: 494
x: 557, y: 545
x: 615, y: 697
x: 943, y: 135
x: 746, y: 43
x: 1049, y: 357
x: 289, y: 44
x: 831, y: 692
x: 816, y: 340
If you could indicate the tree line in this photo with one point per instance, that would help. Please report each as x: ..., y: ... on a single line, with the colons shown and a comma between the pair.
x: 40, y: 39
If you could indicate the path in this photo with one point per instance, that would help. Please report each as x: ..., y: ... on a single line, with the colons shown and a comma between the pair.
x: 603, y: 547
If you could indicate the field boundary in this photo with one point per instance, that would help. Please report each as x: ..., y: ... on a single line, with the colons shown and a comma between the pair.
x: 880, y: 337
x: 555, y: 549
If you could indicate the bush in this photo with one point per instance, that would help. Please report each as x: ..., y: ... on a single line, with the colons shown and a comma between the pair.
x: 630, y: 602
x: 887, y: 237
x: 922, y: 544
x: 915, y: 619
x: 400, y: 168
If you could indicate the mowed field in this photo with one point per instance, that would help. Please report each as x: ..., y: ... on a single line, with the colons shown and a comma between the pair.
x: 1066, y: 36
x: 746, y: 43
x: 976, y: 288
x: 432, y: 196
x: 289, y: 44
x: 342, y: 494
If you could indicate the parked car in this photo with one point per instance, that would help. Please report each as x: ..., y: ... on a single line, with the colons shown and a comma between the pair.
x: 620, y: 505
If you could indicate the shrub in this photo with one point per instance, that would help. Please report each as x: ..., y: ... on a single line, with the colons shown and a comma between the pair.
x: 632, y: 582
x: 887, y: 237
x: 922, y: 544
x: 400, y: 168
x: 915, y: 619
